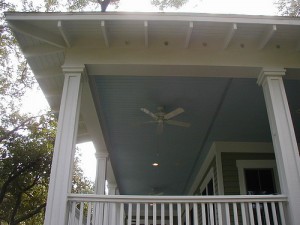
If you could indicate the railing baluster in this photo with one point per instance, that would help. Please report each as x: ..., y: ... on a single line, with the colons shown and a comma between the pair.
x: 211, y: 214
x: 235, y: 214
x: 112, y: 218
x: 73, y: 215
x: 146, y: 214
x: 203, y: 213
x: 195, y: 213
x: 162, y: 214
x: 122, y: 214
x: 220, y: 219
x: 250, y: 205
x: 88, y: 220
x: 179, y: 222
x: 258, y: 213
x: 171, y: 213
x: 187, y: 214
x: 154, y: 214
x: 129, y: 214
x: 243, y: 209
x: 266, y: 211
x: 282, y: 217
x: 81, y: 214
x: 138, y: 211
x: 227, y: 213
x: 275, y: 221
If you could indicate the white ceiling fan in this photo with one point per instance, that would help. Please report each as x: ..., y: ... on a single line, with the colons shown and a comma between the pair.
x: 162, y: 118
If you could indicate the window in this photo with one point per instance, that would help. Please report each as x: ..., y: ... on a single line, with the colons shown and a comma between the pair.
x: 257, y: 177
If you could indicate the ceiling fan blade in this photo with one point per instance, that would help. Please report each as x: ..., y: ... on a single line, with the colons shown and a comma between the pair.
x: 178, y: 123
x: 149, y: 113
x: 173, y: 113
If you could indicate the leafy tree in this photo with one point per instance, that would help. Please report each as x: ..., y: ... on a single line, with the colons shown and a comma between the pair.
x: 289, y: 7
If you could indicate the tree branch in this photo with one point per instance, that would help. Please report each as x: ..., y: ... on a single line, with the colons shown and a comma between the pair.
x: 31, y: 214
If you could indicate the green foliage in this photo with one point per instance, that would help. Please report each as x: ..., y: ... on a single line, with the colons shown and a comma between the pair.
x: 288, y: 7
x: 162, y: 4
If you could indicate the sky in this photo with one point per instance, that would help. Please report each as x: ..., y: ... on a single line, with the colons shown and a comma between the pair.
x: 248, y: 7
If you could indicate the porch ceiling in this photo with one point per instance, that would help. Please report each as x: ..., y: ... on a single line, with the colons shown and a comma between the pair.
x: 219, y: 109
x: 153, y: 59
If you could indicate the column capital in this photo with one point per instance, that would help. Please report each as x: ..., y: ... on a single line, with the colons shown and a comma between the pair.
x: 101, y: 155
x: 73, y: 69
x: 269, y: 72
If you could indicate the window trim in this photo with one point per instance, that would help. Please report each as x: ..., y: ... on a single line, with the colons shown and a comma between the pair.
x: 209, y: 176
x: 255, y: 164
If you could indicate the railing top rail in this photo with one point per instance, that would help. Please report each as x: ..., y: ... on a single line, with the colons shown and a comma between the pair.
x: 176, y: 199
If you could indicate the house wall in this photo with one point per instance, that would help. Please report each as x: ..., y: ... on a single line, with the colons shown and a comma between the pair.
x: 212, y: 166
x: 230, y: 170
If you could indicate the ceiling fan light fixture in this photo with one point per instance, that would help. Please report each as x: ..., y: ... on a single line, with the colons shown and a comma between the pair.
x: 155, y: 164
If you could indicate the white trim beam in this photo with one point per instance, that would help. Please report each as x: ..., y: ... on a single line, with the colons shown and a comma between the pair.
x: 267, y: 35
x: 40, y: 50
x: 284, y: 139
x: 146, y: 33
x: 229, y: 36
x: 63, y: 33
x: 105, y: 33
x: 37, y: 33
x: 189, y: 35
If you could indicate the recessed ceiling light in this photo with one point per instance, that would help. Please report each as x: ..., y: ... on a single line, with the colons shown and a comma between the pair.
x: 155, y: 164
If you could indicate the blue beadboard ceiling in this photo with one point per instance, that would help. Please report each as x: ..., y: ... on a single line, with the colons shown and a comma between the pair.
x: 219, y: 109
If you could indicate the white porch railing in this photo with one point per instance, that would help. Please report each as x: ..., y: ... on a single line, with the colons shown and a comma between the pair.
x: 177, y: 210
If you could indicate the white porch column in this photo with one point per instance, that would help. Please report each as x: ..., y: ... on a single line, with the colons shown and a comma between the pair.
x: 112, y: 190
x: 100, y: 173
x: 101, y: 213
x: 63, y: 156
x: 284, y: 140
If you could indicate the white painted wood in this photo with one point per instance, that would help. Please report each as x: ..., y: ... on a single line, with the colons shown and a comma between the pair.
x: 267, y: 35
x: 195, y: 214
x: 81, y: 214
x: 62, y: 163
x: 89, y: 212
x: 220, y: 216
x: 162, y: 214
x: 179, y: 221
x: 229, y: 36
x: 146, y: 214
x: 129, y: 220
x: 209, y: 176
x: 100, y: 173
x: 189, y: 35
x: 244, y: 217
x: 187, y: 214
x: 38, y: 33
x: 282, y: 216
x: 154, y: 214
x: 275, y: 221
x: 211, y: 214
x: 267, y: 216
x: 251, y: 215
x: 227, y: 213
x: 171, y: 214
x: 219, y: 173
x: 258, y: 214
x: 63, y: 33
x: 235, y: 214
x: 41, y: 50
x: 203, y: 212
x: 104, y: 33
x: 138, y: 213
x: 73, y: 215
x: 284, y: 140
x: 121, y: 220
x: 146, y: 34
